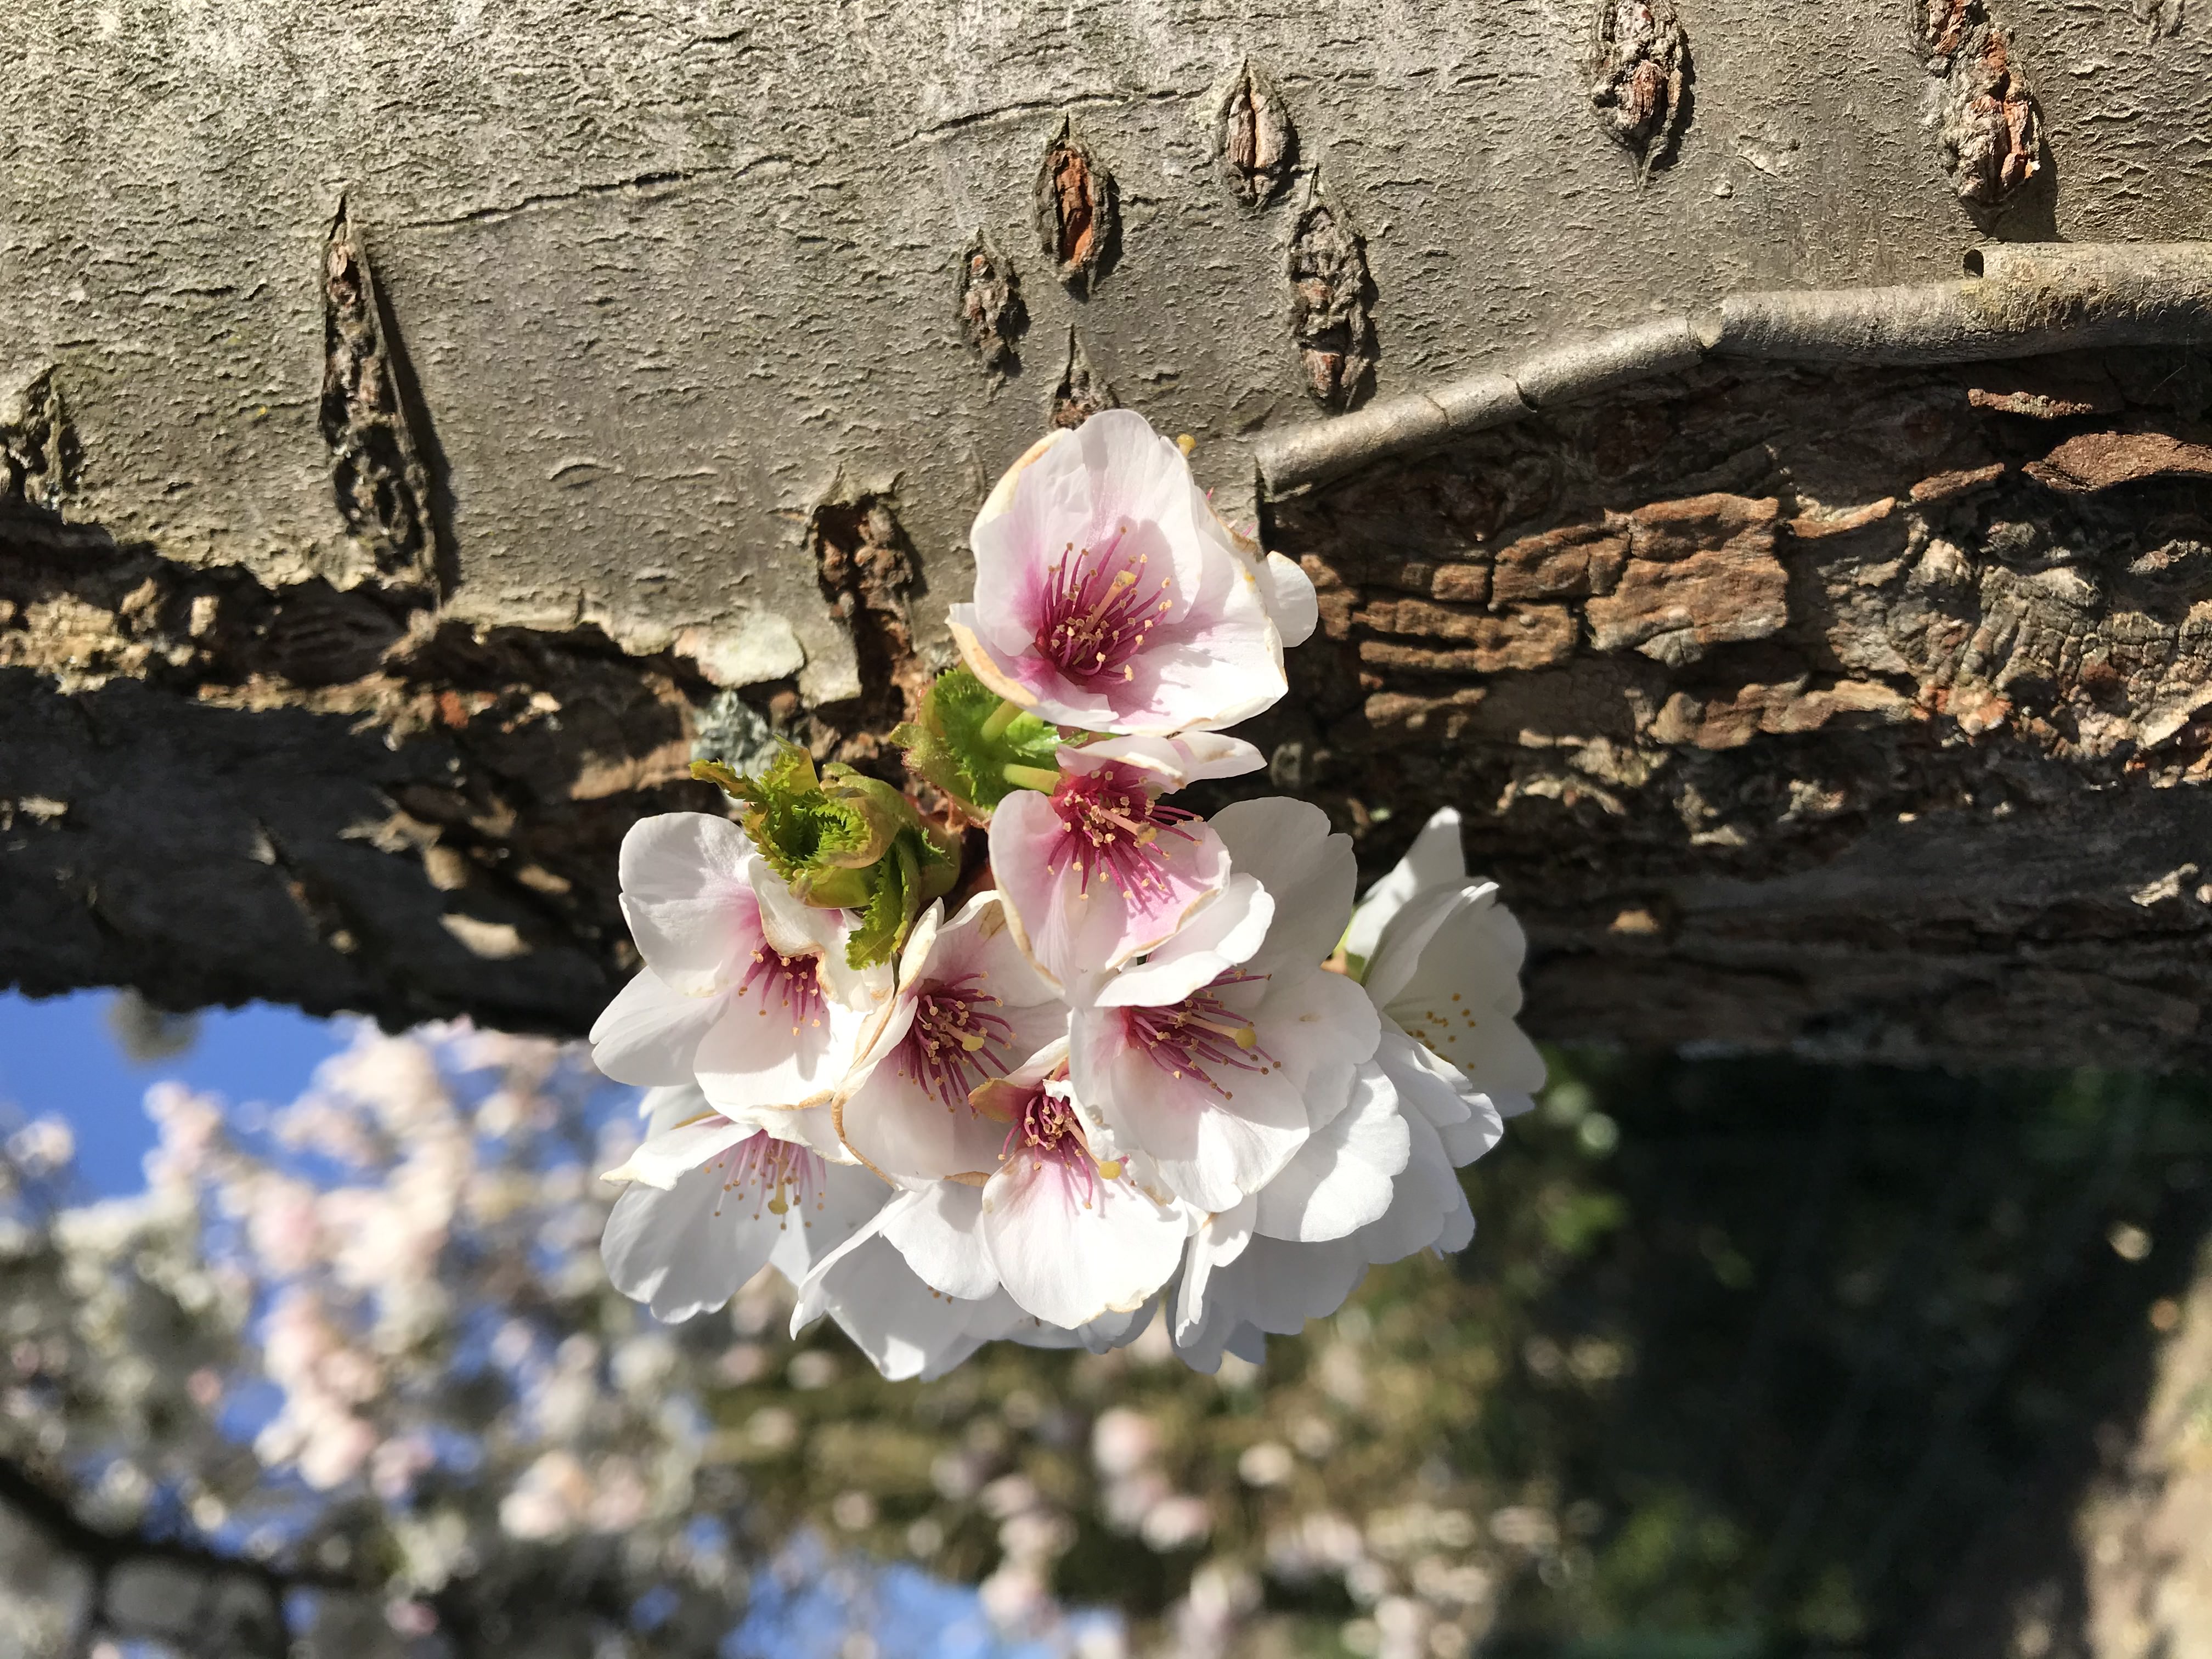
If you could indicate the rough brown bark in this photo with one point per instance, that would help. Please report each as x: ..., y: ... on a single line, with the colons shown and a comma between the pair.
x: 1861, y: 713
x: 345, y: 623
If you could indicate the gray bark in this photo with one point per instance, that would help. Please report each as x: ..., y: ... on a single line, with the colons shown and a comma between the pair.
x: 345, y: 625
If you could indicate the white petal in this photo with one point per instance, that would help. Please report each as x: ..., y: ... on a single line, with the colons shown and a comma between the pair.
x: 793, y: 928
x: 1308, y: 872
x: 1277, y: 1286
x: 684, y: 895
x: 1340, y: 1180
x: 1207, y: 1345
x: 814, y: 1128
x: 1468, y: 1121
x: 1223, y: 933
x: 1435, y: 860
x: 938, y: 1230
x: 1291, y: 599
x: 906, y: 1329
x: 1070, y: 1245
x: 665, y: 1106
x: 1212, y: 1142
x: 1484, y: 1127
x: 1317, y: 1028
x: 1101, y: 1335
x: 1218, y: 1241
x: 845, y: 1199
x: 965, y: 624
x: 906, y: 1132
x: 1395, y: 969
x: 1177, y: 760
x: 650, y: 1033
x: 681, y: 1250
x: 1425, y: 1082
x: 666, y: 1157
x: 759, y: 1058
x: 1461, y: 992
x: 920, y: 941
x: 1428, y: 1207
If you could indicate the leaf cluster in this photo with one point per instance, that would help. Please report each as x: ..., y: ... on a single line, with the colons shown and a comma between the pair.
x: 952, y: 744
x: 841, y: 840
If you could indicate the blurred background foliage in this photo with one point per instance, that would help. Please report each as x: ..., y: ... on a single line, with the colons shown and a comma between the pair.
x: 1748, y: 1357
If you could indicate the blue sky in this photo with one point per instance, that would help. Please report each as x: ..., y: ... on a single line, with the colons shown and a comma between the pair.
x: 57, y: 1055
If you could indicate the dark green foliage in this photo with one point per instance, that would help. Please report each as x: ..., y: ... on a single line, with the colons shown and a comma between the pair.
x: 1747, y: 1359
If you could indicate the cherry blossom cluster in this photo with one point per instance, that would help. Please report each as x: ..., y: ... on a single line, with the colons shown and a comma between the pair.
x: 1143, y: 1063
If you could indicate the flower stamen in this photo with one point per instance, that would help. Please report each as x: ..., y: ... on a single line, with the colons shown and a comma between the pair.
x: 795, y: 982
x: 1096, y: 618
x: 1046, y: 1130
x: 1198, y: 1033
x: 782, y: 1174
x: 954, y: 1043
x: 1112, y: 828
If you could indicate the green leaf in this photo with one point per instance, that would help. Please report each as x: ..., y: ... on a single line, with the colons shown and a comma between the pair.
x: 948, y: 743
x: 890, y: 910
x: 843, y: 841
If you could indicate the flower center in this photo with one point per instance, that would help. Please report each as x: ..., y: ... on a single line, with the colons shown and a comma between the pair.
x: 795, y: 982
x: 1200, y: 1034
x: 1041, y: 1123
x: 1112, y: 828
x: 782, y: 1174
x: 1097, y: 610
x: 954, y: 1043
x: 1045, y: 1130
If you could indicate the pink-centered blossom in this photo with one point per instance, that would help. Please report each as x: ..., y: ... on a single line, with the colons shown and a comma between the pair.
x: 1070, y: 1237
x: 969, y: 1008
x: 1109, y: 596
x: 712, y: 1201
x: 1218, y: 1055
x: 1101, y: 870
x: 744, y: 988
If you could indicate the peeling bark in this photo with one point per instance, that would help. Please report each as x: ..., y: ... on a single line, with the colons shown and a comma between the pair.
x: 1876, y: 744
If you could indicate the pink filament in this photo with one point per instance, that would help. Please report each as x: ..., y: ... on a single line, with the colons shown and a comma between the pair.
x: 1110, y: 826
x: 1097, y: 612
x: 795, y: 982
x: 1196, y: 1034
x: 1046, y: 1131
x: 782, y: 1175
x: 953, y: 1045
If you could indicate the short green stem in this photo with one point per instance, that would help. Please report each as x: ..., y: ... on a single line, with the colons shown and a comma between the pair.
x: 1001, y: 717
x: 1030, y: 777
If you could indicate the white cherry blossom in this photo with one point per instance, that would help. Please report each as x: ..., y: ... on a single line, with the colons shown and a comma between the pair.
x: 1442, y: 959
x: 1219, y: 1054
x: 969, y: 1008
x: 1110, y: 597
x: 711, y: 1202
x: 1098, y: 870
x: 744, y: 989
x: 1070, y: 1237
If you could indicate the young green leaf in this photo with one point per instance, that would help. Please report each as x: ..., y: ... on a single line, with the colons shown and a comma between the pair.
x: 966, y: 738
